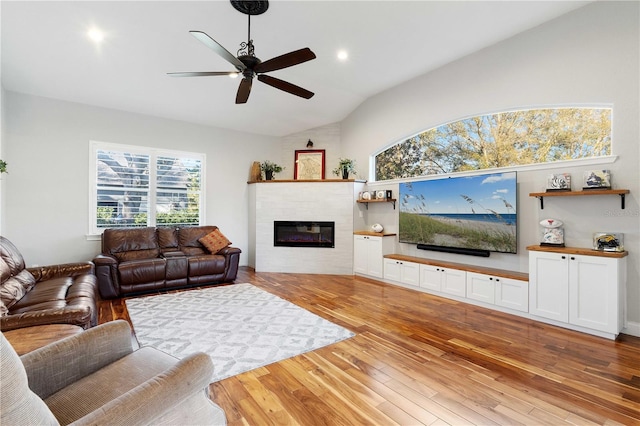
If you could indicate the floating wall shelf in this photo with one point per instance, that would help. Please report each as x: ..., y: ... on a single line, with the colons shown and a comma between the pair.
x: 541, y: 195
x: 385, y: 200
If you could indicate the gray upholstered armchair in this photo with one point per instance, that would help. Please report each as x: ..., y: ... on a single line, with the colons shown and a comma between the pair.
x: 96, y: 377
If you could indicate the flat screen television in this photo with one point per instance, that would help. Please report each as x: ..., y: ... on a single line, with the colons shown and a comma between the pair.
x: 472, y: 215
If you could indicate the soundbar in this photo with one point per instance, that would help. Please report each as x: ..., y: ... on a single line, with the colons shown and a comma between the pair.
x: 456, y: 250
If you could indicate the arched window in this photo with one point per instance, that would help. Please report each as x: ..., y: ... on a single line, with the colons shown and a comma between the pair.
x: 499, y: 140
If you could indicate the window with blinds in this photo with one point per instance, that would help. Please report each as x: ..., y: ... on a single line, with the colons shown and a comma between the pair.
x: 136, y: 186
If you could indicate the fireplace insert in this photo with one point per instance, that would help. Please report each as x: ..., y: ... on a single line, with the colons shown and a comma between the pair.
x: 303, y: 234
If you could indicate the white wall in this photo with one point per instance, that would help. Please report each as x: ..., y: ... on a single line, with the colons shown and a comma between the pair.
x: 585, y: 57
x: 46, y: 192
x: 324, y: 137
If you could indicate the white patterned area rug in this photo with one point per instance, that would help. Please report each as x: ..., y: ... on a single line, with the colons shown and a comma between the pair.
x: 240, y: 326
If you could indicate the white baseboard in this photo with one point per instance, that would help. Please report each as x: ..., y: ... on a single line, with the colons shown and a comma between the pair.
x: 632, y: 329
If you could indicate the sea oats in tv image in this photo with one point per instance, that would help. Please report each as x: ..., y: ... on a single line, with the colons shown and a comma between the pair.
x: 471, y: 212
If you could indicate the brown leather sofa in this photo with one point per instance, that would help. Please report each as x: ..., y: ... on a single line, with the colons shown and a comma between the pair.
x: 142, y: 260
x: 56, y: 294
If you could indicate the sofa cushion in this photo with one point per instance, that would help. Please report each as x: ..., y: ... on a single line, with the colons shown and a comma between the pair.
x: 130, y: 243
x: 11, y: 261
x: 14, y: 288
x: 215, y: 241
x: 168, y: 239
x: 114, y: 380
x: 142, y: 271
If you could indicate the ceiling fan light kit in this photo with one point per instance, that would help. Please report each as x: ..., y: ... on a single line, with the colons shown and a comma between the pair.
x: 247, y: 64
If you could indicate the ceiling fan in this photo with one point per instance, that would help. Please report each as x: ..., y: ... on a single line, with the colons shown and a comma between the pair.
x: 247, y: 64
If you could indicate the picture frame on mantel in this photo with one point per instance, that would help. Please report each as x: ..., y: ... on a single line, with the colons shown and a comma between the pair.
x: 309, y: 164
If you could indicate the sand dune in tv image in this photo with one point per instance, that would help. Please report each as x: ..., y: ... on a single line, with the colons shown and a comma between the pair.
x: 474, y: 212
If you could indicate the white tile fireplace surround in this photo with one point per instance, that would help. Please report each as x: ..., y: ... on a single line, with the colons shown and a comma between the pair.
x: 321, y: 201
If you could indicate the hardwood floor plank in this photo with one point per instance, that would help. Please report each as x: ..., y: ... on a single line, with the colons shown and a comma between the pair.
x: 423, y: 359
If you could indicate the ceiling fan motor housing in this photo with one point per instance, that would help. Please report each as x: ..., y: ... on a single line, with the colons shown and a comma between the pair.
x: 251, y: 7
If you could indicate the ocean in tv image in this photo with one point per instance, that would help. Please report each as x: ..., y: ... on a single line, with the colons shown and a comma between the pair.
x: 473, y: 212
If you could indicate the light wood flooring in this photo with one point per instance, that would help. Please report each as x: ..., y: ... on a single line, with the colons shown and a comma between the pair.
x: 421, y: 359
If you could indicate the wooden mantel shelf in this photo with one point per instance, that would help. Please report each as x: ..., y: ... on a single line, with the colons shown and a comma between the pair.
x: 305, y: 181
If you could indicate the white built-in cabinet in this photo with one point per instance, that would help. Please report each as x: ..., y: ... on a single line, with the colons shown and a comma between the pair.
x: 368, y: 251
x: 579, y: 287
x: 488, y: 287
x: 402, y: 271
x: 500, y: 291
x: 441, y: 279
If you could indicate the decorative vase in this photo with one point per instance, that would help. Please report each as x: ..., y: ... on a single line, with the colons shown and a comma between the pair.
x: 268, y: 174
x: 345, y: 173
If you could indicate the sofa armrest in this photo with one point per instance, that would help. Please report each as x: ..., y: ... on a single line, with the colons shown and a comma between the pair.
x: 61, y: 363
x: 229, y: 251
x: 75, y: 315
x: 44, y: 273
x: 107, y: 275
x: 158, y: 395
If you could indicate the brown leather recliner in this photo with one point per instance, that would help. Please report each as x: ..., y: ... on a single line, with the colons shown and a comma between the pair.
x: 56, y: 294
x: 142, y: 260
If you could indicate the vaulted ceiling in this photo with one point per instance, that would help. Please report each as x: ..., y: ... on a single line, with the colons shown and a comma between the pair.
x: 46, y: 52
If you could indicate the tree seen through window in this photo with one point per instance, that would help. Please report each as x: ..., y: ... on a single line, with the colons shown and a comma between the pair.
x: 500, y: 140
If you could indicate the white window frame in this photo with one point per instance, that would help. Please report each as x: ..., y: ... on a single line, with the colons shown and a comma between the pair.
x: 94, y: 146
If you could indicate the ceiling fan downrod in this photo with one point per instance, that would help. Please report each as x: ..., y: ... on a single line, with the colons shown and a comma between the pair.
x: 249, y: 7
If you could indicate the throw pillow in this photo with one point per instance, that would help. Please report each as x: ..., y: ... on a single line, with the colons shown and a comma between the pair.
x: 3, y: 309
x: 215, y: 241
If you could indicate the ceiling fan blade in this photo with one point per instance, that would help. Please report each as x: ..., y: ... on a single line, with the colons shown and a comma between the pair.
x: 217, y: 47
x: 285, y: 86
x: 287, y: 60
x: 243, y: 91
x: 201, y: 73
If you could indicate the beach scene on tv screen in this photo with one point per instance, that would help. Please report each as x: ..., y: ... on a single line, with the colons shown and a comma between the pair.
x: 474, y: 212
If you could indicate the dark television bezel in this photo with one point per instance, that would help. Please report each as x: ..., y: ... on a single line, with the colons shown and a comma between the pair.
x: 455, y: 249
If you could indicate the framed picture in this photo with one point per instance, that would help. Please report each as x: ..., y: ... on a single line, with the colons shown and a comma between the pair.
x: 596, y: 179
x: 559, y: 182
x: 309, y: 164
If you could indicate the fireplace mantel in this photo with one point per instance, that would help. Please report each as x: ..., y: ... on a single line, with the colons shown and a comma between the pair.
x: 251, y: 182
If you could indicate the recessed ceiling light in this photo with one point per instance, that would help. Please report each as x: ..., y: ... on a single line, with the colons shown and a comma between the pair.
x: 343, y: 55
x: 95, y: 34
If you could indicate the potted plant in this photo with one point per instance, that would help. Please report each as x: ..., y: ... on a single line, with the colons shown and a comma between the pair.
x: 3, y: 166
x: 269, y: 169
x: 345, y: 166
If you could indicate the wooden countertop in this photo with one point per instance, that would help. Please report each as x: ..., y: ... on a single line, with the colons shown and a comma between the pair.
x: 578, y: 250
x: 374, y: 234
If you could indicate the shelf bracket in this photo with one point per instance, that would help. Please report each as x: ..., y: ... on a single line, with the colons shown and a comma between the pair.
x: 622, y: 201
x: 541, y: 198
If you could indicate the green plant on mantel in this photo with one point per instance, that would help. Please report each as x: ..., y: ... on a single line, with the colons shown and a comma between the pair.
x: 270, y: 168
x: 3, y: 166
x: 345, y: 167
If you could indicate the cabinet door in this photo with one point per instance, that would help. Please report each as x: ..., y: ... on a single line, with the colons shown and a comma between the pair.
x: 392, y: 270
x: 410, y: 273
x: 481, y: 287
x: 374, y: 256
x: 454, y: 281
x: 430, y: 277
x: 549, y: 285
x: 594, y: 292
x: 512, y: 294
x: 360, y: 255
